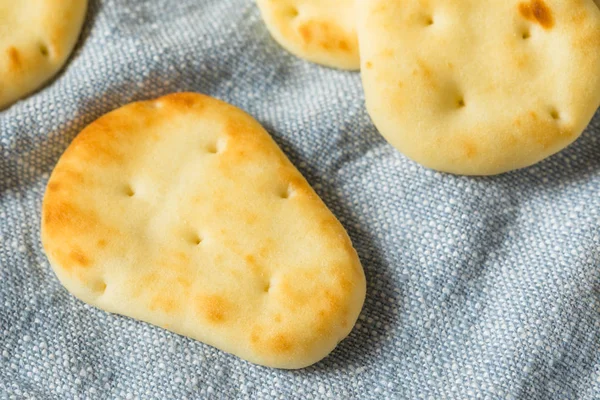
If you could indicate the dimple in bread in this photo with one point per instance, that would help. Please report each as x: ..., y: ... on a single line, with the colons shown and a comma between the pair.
x: 321, y: 31
x: 36, y: 38
x: 480, y: 87
x: 184, y: 213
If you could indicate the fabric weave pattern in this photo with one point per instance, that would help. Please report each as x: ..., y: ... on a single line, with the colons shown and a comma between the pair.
x: 478, y: 288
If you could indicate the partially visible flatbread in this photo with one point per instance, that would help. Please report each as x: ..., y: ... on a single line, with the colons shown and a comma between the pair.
x: 480, y: 87
x: 184, y: 213
x: 321, y: 31
x: 36, y: 38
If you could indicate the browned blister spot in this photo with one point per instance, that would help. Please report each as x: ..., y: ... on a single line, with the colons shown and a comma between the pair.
x: 214, y: 308
x: 537, y: 11
x: 343, y: 45
x: 77, y: 256
x: 292, y: 297
x: 71, y: 259
x: 327, y: 305
x: 326, y: 35
x: 61, y: 218
x: 64, y: 180
x: 330, y: 309
x: 469, y: 148
x: 306, y: 33
x: 101, y: 243
x: 14, y: 58
x: 256, y: 335
x: 270, y: 342
x: 281, y: 344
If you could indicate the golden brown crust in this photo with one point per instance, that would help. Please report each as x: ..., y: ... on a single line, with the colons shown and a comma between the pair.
x: 184, y: 213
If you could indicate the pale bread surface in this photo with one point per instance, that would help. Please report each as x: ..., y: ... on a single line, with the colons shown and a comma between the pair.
x: 321, y: 31
x: 480, y: 87
x: 36, y: 38
x: 184, y: 213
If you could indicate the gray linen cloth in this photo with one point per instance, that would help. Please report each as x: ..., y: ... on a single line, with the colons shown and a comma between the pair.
x: 478, y: 288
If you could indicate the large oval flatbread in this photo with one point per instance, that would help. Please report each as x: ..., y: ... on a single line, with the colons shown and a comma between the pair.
x: 36, y: 38
x: 480, y: 87
x: 321, y: 31
x: 184, y: 213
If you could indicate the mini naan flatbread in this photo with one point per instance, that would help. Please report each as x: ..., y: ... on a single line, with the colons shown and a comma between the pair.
x: 480, y: 87
x: 321, y: 31
x: 184, y: 213
x: 36, y: 38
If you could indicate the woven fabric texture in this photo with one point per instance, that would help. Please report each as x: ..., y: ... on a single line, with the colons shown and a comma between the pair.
x: 478, y: 288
